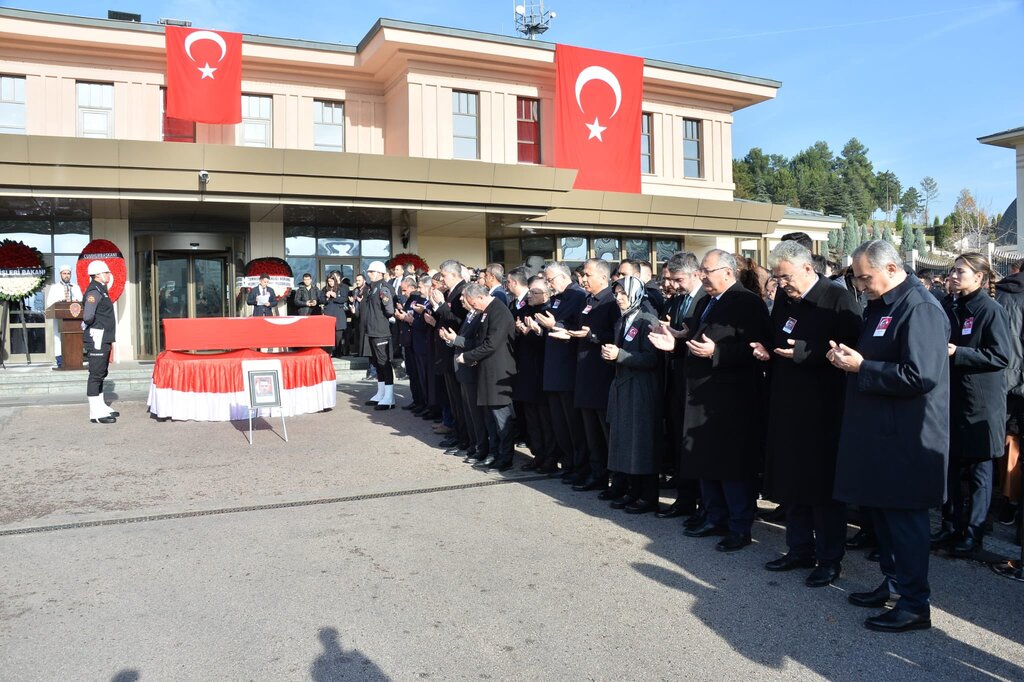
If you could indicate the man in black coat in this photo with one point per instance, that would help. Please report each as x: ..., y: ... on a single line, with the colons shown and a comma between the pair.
x: 307, y: 297
x: 681, y: 275
x: 593, y: 374
x: 376, y: 309
x: 450, y: 313
x: 567, y: 303
x: 477, y: 448
x: 894, y: 441
x: 809, y: 312
x: 262, y: 298
x: 405, y: 316
x: 723, y: 420
x: 496, y: 366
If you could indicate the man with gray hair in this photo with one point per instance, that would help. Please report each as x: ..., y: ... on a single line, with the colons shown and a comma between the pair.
x: 894, y: 441
x: 491, y: 278
x: 450, y: 313
x: 809, y: 312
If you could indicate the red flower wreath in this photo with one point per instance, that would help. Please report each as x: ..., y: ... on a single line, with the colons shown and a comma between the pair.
x: 409, y: 260
x: 275, y: 267
x: 106, y: 251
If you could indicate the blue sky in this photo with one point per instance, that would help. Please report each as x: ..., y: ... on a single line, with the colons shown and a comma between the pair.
x: 917, y: 82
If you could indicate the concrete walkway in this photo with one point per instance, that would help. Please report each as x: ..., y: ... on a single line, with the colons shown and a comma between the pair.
x: 154, y: 550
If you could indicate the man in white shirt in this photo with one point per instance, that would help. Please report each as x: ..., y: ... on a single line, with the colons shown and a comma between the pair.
x: 63, y: 289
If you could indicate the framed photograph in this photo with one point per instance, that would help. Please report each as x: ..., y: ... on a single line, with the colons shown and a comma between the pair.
x: 264, y: 388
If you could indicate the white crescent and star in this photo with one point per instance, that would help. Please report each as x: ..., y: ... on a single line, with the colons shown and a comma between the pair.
x: 213, y: 37
x: 598, y: 73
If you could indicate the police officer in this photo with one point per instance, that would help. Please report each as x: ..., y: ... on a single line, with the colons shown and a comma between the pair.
x: 98, y: 322
x: 375, y: 312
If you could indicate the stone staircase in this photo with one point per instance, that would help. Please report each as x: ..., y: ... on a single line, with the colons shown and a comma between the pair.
x: 22, y: 382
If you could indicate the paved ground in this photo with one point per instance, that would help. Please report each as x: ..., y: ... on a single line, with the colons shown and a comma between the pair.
x: 358, y: 551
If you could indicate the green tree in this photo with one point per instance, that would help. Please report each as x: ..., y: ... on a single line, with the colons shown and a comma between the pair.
x: 837, y: 200
x: 929, y: 193
x: 919, y: 241
x: 910, y: 203
x: 858, y: 177
x: 943, y: 231
x: 851, y: 236
x: 887, y: 192
x: 812, y: 169
x: 743, y: 179
x: 835, y: 244
x: 887, y: 235
x: 905, y: 230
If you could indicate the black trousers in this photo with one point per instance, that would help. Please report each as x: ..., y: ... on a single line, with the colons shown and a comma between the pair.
x: 568, y: 426
x: 415, y: 387
x: 817, y: 530
x: 543, y: 444
x: 595, y: 428
x: 967, y: 513
x: 501, y: 432
x: 642, y: 487
x: 99, y: 363
x: 380, y: 358
x: 903, y: 549
x: 476, y: 421
x: 454, y: 391
x: 422, y: 376
x: 731, y: 503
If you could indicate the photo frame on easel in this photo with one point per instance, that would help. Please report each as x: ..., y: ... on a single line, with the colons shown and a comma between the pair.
x: 264, y: 388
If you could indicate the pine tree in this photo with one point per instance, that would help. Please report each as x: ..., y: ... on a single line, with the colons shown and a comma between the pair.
x: 852, y: 236
x: 887, y: 235
x: 919, y: 242
x: 905, y: 230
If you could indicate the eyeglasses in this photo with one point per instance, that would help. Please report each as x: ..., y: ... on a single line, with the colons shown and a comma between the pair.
x: 782, y: 279
x: 534, y: 292
x: 704, y: 272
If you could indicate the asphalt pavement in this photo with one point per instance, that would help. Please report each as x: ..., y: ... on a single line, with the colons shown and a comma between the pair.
x: 151, y: 550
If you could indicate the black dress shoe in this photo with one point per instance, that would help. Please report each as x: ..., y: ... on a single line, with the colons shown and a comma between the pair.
x: 590, y: 485
x: 548, y: 468
x: 696, y: 520
x: 861, y: 539
x: 874, y: 555
x: 704, y: 530
x: 448, y: 442
x: 967, y: 546
x: 622, y: 502
x: 371, y: 402
x: 532, y: 465
x: 410, y: 406
x: 824, y: 575
x: 675, y: 510
x: 454, y: 450
x: 733, y: 542
x: 609, y: 494
x: 502, y: 467
x: 787, y: 562
x: 429, y: 415
x: 381, y: 408
x: 114, y: 414
x: 486, y: 463
x: 640, y: 507
x: 943, y: 537
x: 777, y: 515
x: 898, y: 620
x: 575, y: 480
x: 104, y: 420
x: 874, y: 599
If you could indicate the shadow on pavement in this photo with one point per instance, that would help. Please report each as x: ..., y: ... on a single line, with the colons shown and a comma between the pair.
x: 336, y: 664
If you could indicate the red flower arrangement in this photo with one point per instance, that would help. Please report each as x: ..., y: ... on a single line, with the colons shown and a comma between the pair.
x: 408, y: 260
x: 106, y: 251
x: 22, y: 270
x: 275, y: 267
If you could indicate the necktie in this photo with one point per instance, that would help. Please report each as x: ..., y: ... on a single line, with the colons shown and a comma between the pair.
x: 711, y: 304
x: 67, y: 291
x: 685, y: 308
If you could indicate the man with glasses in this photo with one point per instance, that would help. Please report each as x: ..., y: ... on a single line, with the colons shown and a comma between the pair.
x: 566, y: 305
x: 527, y: 387
x: 723, y: 418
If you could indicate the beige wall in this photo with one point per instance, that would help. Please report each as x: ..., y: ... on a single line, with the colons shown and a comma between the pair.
x: 434, y: 250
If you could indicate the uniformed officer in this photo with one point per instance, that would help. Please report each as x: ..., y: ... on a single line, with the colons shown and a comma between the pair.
x: 99, y: 325
x: 375, y: 310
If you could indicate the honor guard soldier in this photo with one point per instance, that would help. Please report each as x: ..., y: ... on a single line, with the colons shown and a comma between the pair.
x: 99, y: 325
x: 375, y: 312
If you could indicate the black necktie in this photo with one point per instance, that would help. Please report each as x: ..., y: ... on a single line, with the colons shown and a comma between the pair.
x: 711, y: 304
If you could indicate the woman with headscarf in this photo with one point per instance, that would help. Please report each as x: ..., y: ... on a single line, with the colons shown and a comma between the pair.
x: 335, y: 297
x: 634, y: 404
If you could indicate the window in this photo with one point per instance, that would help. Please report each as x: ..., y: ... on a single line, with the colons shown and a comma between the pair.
x: 257, y: 122
x: 528, y: 126
x: 692, y: 167
x: 647, y: 144
x: 465, y: 125
x: 12, y: 104
x: 95, y: 109
x: 638, y: 249
x: 176, y: 129
x: 607, y: 248
x: 328, y: 126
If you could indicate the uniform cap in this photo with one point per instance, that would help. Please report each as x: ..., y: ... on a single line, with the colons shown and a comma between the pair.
x: 96, y: 267
x: 377, y: 266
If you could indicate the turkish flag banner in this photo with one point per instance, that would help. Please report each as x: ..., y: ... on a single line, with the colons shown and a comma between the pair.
x: 598, y: 114
x: 204, y: 75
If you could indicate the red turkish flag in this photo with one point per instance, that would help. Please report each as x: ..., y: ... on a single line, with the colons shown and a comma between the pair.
x: 204, y: 75
x: 597, y: 117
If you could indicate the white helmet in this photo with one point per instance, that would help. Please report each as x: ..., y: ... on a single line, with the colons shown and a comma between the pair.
x: 97, y: 266
x: 377, y: 266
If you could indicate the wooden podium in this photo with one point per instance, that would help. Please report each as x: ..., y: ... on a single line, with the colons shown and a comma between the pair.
x: 69, y: 321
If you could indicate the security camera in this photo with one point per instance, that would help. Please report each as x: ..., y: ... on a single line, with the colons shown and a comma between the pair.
x: 204, y: 177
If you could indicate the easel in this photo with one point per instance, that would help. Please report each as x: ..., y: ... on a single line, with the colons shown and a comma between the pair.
x: 262, y: 381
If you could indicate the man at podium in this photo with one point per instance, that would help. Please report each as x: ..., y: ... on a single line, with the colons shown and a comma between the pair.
x: 62, y: 289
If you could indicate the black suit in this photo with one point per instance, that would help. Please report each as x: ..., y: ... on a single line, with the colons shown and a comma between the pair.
x: 451, y: 314
x: 262, y: 310
x: 496, y: 366
x: 560, y: 377
x: 679, y: 310
x: 594, y: 379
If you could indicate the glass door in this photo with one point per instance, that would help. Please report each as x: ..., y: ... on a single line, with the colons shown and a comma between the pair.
x: 210, y: 280
x: 175, y: 285
x: 173, y: 291
x: 348, y: 267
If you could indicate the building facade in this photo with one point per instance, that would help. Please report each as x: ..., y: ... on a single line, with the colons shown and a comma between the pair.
x: 419, y: 139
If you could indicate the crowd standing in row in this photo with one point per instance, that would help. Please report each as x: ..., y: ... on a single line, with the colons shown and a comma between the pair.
x: 865, y: 391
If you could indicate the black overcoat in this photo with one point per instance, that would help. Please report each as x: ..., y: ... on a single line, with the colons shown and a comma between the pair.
x: 450, y: 314
x: 980, y: 329
x: 634, y: 399
x: 335, y: 307
x: 560, y: 356
x: 894, y: 442
x: 724, y: 415
x: 593, y: 374
x: 465, y: 341
x: 1010, y: 295
x: 493, y: 357
x: 529, y: 351
x: 678, y: 317
x: 376, y: 308
x: 805, y: 396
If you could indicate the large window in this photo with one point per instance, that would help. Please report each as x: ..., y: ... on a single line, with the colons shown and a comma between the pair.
x: 175, y: 129
x: 465, y: 125
x: 257, y: 128
x: 573, y: 250
x: 647, y: 144
x: 95, y: 109
x: 357, y: 236
x: 528, y: 129
x: 12, y: 104
x: 328, y: 126
x: 693, y: 166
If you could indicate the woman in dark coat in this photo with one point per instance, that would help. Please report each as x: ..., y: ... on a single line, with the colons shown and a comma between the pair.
x: 634, y: 400
x: 335, y: 298
x: 979, y: 351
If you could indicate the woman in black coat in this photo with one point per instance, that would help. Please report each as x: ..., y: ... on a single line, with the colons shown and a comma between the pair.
x: 634, y: 401
x: 335, y: 299
x: 979, y: 351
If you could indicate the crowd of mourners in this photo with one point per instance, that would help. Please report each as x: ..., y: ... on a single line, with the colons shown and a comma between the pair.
x: 870, y: 394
